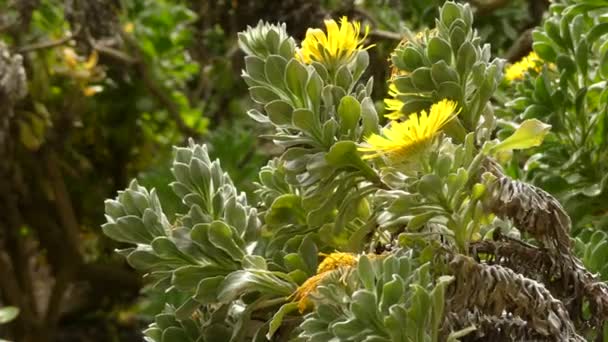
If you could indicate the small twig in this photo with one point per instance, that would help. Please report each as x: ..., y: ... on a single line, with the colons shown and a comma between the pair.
x: 385, y: 35
x: 113, y: 53
x: 48, y: 44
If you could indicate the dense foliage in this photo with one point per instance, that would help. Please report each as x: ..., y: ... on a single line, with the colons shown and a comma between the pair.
x: 470, y: 206
x: 410, y: 231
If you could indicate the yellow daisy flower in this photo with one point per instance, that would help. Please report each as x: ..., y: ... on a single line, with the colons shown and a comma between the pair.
x: 517, y: 70
x: 336, y: 260
x: 331, y: 263
x: 338, y: 46
x: 393, y: 105
x: 405, y: 139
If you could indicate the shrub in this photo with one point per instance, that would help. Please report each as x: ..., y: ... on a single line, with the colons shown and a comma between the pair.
x: 407, y: 232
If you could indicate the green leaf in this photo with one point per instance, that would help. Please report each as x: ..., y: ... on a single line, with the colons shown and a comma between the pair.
x: 279, y: 112
x: 360, y: 64
x: 438, y: 298
x: 478, y: 191
x: 366, y: 272
x: 284, y: 209
x: 465, y: 58
x: 449, y: 12
x: 410, y: 58
x: 545, y: 51
x: 255, y: 68
x: 418, y: 221
x: 296, y: 76
x: 165, y: 248
x: 596, y: 32
x: 349, y: 112
x: 392, y: 292
x: 174, y: 334
x: 344, y: 79
x: 186, y: 310
x: 262, y: 95
x: 582, y: 56
x: 277, y: 319
x: 144, y: 260
x: 222, y: 237
x: 404, y: 84
x: 208, y: 290
x: 529, y: 134
x: 439, y: 50
x: 187, y: 278
x: 422, y: 79
x: 457, y: 38
x: 308, y: 250
x: 8, y: 313
x: 364, y: 306
x: 604, y: 62
x: 274, y: 69
x: 369, y: 117
x: 128, y: 229
x: 314, y: 88
x: 342, y: 154
x: 441, y: 73
x: 305, y: 120
x: 430, y: 186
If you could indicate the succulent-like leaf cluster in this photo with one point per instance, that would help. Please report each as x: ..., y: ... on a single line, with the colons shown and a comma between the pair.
x: 449, y: 62
x: 569, y: 92
x: 396, y: 236
x: 388, y: 298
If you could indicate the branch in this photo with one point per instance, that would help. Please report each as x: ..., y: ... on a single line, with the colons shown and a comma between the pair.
x: 386, y: 35
x: 115, y: 54
x: 48, y: 44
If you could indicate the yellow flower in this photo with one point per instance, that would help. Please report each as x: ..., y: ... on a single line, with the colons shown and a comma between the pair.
x: 405, y: 139
x: 70, y: 57
x: 128, y: 27
x: 304, y: 290
x: 338, y: 46
x: 393, y: 104
x: 331, y: 263
x: 517, y: 70
x: 92, y: 60
x: 335, y: 260
x: 92, y: 90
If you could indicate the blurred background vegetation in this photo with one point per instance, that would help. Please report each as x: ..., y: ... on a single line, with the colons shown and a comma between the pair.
x: 95, y: 92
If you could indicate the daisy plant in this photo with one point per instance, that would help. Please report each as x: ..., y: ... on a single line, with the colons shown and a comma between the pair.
x: 362, y: 231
